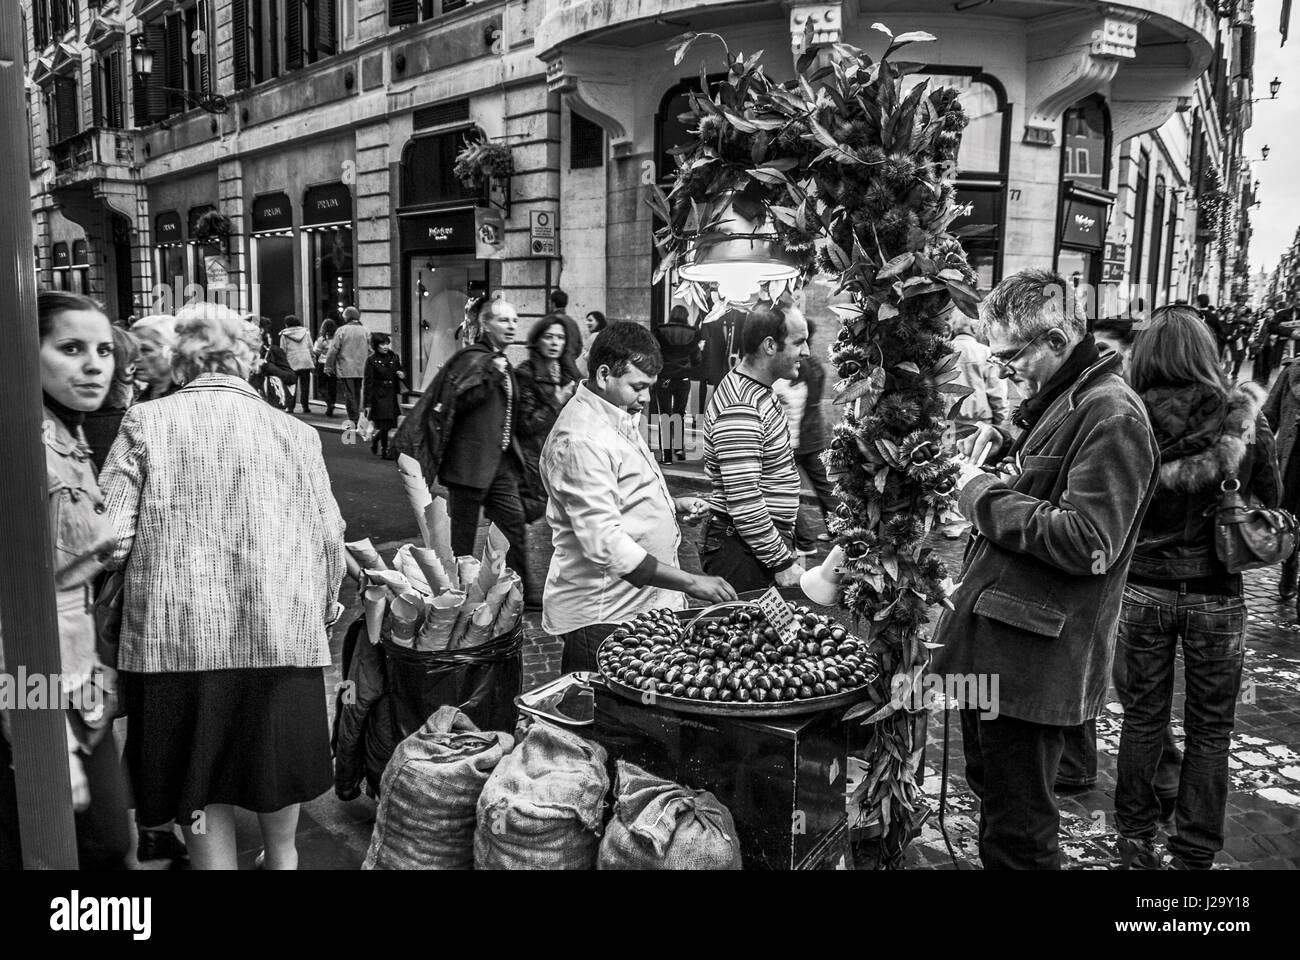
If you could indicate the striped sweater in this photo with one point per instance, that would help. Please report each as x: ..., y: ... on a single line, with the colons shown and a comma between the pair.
x: 749, y: 461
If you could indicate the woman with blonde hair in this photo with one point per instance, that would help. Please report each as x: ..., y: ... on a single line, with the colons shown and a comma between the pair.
x: 232, y: 561
x: 156, y: 337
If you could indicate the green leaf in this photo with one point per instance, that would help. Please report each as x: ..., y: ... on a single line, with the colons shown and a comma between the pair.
x: 883, y: 29
x: 895, y: 266
x: 768, y: 175
x: 881, y: 478
x: 887, y: 311
x: 838, y: 257
x: 908, y: 367
x: 955, y: 389
x: 787, y: 215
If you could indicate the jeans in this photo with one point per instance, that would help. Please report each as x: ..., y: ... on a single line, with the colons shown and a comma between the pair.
x: 580, y: 646
x: 502, y: 505
x: 813, y: 468
x: 1010, y: 766
x: 670, y: 406
x: 326, y: 389
x: 1078, y: 766
x: 351, y: 396
x: 1212, y: 629
x: 724, y: 554
x: 303, y: 392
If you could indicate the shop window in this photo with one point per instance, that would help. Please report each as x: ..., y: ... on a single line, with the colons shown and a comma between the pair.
x: 428, y: 170
x: 1140, y: 222
x: 1157, y: 240
x: 62, y: 266
x: 586, y: 143
x: 1087, y: 143
x: 401, y: 12
x: 79, y: 274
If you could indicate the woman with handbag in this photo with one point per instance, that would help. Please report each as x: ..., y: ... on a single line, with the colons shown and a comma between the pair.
x: 76, y: 362
x: 1213, y: 439
x: 232, y: 562
x: 380, y: 389
x: 1282, y: 408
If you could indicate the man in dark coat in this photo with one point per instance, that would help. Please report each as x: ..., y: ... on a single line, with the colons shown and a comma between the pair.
x: 1044, y: 575
x: 569, y: 372
x: 482, y: 464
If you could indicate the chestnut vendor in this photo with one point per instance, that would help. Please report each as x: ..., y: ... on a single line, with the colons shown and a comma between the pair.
x: 613, y: 520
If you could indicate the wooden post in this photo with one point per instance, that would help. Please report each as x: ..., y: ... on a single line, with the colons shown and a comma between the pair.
x: 27, y: 608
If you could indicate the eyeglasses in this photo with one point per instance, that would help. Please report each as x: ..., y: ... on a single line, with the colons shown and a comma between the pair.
x: 1005, y: 367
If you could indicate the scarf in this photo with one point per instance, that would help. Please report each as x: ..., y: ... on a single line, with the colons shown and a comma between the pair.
x: 1027, y: 415
x: 72, y: 419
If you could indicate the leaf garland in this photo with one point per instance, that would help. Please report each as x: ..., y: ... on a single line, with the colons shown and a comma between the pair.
x: 855, y: 177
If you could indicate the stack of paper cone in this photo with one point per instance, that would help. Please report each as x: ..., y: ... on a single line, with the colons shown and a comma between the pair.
x: 511, y: 611
x: 405, y: 564
x: 467, y: 570
x: 440, y: 621
x: 439, y: 539
x: 375, y: 602
x: 404, y: 615
x: 431, y: 566
x: 364, y: 552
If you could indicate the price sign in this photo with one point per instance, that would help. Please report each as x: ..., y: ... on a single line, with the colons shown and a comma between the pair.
x: 778, y: 613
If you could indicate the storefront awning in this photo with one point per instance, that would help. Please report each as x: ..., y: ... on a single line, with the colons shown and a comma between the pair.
x: 61, y: 257
x: 167, y: 229
x: 327, y: 205
x: 442, y: 231
x: 80, y: 253
x: 272, y: 213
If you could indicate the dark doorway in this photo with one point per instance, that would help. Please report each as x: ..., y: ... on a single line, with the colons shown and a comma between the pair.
x: 123, y: 296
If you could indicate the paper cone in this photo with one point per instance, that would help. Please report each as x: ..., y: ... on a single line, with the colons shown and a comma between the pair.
x: 479, y: 630
x: 494, y: 557
x: 376, y: 601
x: 405, y: 564
x: 467, y: 570
x: 439, y: 621
x: 511, y: 611
x: 393, y: 580
x: 417, y: 491
x: 440, y: 533
x: 366, y: 555
x: 403, y: 617
x: 354, y: 568
x: 429, y: 564
x: 463, y: 622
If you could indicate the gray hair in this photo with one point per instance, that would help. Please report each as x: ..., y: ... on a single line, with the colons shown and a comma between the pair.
x: 212, y: 338
x: 1031, y: 302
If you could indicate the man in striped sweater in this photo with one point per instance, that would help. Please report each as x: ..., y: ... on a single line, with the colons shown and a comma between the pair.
x: 749, y: 461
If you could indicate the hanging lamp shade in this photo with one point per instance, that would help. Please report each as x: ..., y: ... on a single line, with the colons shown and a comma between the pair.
x: 740, y: 261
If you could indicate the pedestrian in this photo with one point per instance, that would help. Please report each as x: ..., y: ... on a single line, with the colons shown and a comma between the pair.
x: 232, y: 549
x: 326, y: 383
x: 1265, y: 346
x: 1282, y: 409
x: 272, y: 376
x: 678, y: 344
x: 482, y: 465
x: 77, y: 371
x: 1041, y: 584
x: 1238, y: 332
x: 1209, y: 433
x: 542, y: 395
x: 1115, y: 336
x: 595, y: 322
x: 613, y: 520
x: 801, y: 398
x: 101, y: 426
x: 156, y: 336
x: 1213, y: 320
x: 346, y: 360
x: 295, y: 341
x: 573, y: 336
x: 748, y: 459
x: 381, y: 391
x: 721, y: 350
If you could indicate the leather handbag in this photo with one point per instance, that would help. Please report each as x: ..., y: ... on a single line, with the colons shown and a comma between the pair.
x: 108, y: 616
x: 1247, y: 535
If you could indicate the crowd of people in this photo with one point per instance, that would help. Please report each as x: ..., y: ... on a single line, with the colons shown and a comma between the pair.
x: 1091, y: 458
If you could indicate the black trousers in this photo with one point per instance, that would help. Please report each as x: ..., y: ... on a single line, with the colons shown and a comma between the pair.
x: 327, y: 388
x: 502, y: 505
x: 303, y: 392
x: 724, y: 554
x: 351, y: 396
x: 1010, y: 765
x: 580, y: 647
x: 670, y: 406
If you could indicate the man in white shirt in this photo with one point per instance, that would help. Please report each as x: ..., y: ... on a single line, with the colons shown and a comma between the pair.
x: 613, y: 519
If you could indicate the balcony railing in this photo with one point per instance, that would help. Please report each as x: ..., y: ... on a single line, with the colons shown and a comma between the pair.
x: 96, y: 146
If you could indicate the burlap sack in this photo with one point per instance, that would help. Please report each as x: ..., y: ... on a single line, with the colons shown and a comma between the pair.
x: 660, y: 825
x: 542, y: 807
x: 429, y: 795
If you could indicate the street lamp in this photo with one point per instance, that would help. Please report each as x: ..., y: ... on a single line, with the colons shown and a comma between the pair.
x: 142, y: 64
x: 1263, y: 152
x: 739, y: 258
x: 1273, y: 87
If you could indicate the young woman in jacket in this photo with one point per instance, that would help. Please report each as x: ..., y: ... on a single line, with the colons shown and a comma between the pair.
x: 295, y: 341
x: 541, y: 396
x: 76, y: 363
x: 1209, y: 433
x: 326, y: 384
x: 381, y: 390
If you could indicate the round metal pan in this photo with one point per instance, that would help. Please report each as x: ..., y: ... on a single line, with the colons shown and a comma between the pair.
x: 749, y: 710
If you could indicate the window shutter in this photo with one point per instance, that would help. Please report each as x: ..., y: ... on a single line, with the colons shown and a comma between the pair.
x: 326, y: 27
x: 115, y: 110
x: 174, y: 42
x: 41, y: 23
x: 96, y: 95
x: 292, y: 34
x: 155, y: 38
x: 239, y: 34
x: 65, y: 92
x: 402, y: 12
x: 205, y: 61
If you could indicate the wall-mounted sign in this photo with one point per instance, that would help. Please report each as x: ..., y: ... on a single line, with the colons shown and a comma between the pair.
x: 1084, y: 224
x: 167, y: 228
x: 218, y: 272
x: 330, y: 203
x: 272, y: 211
x: 543, y: 234
x: 447, y: 231
x: 489, y: 233
x: 1112, y: 271
x: 1118, y: 252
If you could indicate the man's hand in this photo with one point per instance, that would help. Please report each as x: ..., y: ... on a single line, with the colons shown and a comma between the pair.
x: 968, y: 471
x: 711, y: 590
x: 691, y: 510
x: 400, y: 375
x: 981, y: 444
x: 789, y: 577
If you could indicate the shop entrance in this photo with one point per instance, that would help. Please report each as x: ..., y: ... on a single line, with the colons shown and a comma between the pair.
x: 438, y: 289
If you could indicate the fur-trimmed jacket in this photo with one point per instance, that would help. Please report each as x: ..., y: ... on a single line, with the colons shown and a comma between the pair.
x: 1204, y: 438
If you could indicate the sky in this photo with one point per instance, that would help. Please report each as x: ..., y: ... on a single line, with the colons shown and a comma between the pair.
x: 1276, y: 123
